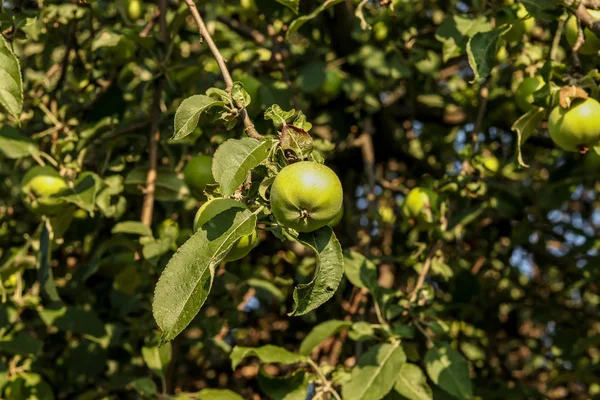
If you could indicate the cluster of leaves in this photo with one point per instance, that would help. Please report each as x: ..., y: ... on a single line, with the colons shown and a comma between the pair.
x: 495, y: 297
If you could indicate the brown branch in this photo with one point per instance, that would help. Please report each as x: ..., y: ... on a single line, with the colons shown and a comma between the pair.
x: 424, y: 271
x: 250, y: 129
x: 150, y: 190
x: 593, y: 4
x: 587, y: 20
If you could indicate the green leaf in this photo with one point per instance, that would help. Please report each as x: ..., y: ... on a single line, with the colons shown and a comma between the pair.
x: 22, y: 344
x: 132, y: 227
x: 234, y: 159
x: 45, y: 276
x: 375, y: 374
x: 290, y: 387
x: 157, y: 358
x: 277, y: 115
x: 291, y: 4
x: 455, y: 31
x: 412, y: 383
x: 481, y: 50
x: 298, y: 22
x: 328, y: 273
x: 144, y: 386
x: 11, y: 83
x: 267, y: 354
x: 240, y: 95
x: 360, y: 271
x: 13, y: 144
x: 361, y: 330
x: 524, y: 127
x: 189, y: 111
x: 73, y: 319
x: 218, y: 394
x: 545, y: 10
x: 320, y: 333
x: 449, y: 370
x: 83, y: 193
x: 187, y: 279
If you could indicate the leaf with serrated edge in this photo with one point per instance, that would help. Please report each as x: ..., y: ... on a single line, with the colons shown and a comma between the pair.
x: 448, y: 369
x: 328, y: 273
x: 267, y: 354
x: 11, y: 83
x: 375, y: 374
x: 188, y: 113
x: 186, y: 280
x: 320, y: 333
x: 412, y: 383
x: 234, y: 159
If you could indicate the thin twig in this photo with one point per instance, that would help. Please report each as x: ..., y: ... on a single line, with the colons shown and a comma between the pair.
x: 150, y: 190
x: 483, y: 98
x: 250, y: 129
x: 424, y: 271
x: 327, y: 388
x: 556, y: 40
x: 236, y: 26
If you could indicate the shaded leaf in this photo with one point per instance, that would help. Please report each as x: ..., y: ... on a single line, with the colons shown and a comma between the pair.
x: 546, y: 10
x: 290, y: 387
x: 375, y: 374
x: 187, y: 279
x: 73, y: 319
x: 169, y: 186
x: 449, y: 370
x: 22, y: 344
x: 234, y: 159
x: 328, y: 273
x: 296, y: 140
x: 481, y: 50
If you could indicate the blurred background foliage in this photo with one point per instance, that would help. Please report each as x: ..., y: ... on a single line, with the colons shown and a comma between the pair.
x: 513, y: 286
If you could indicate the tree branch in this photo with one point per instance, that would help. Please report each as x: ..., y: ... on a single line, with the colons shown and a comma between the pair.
x: 250, y: 129
x: 424, y: 271
x: 149, y: 192
x: 587, y: 20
